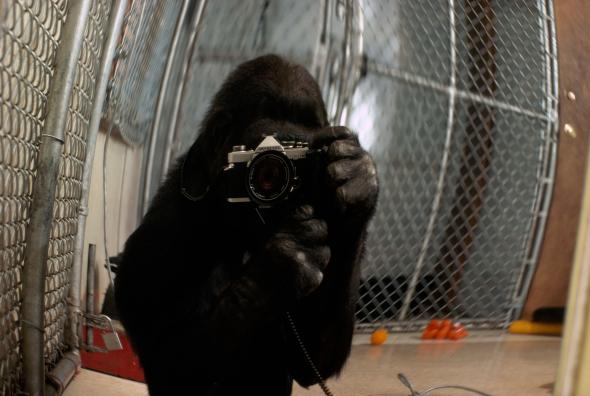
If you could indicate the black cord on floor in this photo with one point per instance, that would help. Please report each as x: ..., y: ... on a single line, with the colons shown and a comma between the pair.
x: 402, y: 377
x: 312, y: 365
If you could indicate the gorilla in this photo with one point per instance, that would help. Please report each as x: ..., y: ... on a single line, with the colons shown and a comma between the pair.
x: 204, y: 286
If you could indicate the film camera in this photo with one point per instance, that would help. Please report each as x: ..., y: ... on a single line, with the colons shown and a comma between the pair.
x: 272, y: 173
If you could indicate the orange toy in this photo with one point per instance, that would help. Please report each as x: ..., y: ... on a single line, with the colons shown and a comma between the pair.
x: 444, y: 330
x: 379, y: 336
x: 457, y: 332
x: 431, y: 330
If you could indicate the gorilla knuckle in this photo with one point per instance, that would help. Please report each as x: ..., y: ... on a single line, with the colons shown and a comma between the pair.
x: 335, y: 149
x: 335, y: 171
x: 324, y: 256
x: 310, y: 280
x: 374, y: 182
x: 304, y: 212
x: 318, y: 228
x: 342, y: 196
x: 371, y: 170
x: 280, y: 245
x: 343, y: 131
x: 345, y: 148
x: 301, y: 258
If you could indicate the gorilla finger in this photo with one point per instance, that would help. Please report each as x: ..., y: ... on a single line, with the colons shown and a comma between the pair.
x: 321, y: 256
x: 327, y: 135
x: 347, y: 148
x: 307, y: 280
x: 357, y: 193
x: 281, y: 244
x: 314, y: 231
x: 342, y: 170
x: 316, y: 257
x: 309, y: 271
x: 369, y: 170
x: 302, y: 213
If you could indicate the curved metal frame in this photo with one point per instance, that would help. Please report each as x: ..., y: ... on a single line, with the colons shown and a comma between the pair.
x: 345, y: 85
x: 147, y: 176
x: 44, y: 185
x: 548, y: 168
x: 111, y: 39
x: 352, y: 58
x: 188, y: 56
x: 546, y: 174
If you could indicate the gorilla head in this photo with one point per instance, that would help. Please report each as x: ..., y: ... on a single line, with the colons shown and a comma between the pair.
x: 202, y: 288
x: 264, y: 96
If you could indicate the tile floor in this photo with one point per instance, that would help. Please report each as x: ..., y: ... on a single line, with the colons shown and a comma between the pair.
x: 501, y: 365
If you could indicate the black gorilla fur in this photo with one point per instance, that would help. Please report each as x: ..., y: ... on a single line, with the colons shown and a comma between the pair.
x: 203, y: 287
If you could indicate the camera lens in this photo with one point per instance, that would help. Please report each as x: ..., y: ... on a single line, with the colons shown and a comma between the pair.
x: 268, y: 177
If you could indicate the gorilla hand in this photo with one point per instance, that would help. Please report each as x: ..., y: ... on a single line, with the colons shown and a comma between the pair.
x: 351, y: 173
x: 298, y: 249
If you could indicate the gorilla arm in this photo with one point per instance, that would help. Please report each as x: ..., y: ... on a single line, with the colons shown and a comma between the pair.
x: 286, y: 266
x: 325, y: 319
x: 205, y: 293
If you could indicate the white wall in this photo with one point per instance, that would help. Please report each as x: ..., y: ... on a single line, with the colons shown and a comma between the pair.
x: 123, y: 180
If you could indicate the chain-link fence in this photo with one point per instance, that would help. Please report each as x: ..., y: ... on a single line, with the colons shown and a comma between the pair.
x: 230, y: 32
x: 458, y: 107
x: 30, y: 33
x: 140, y: 67
x: 29, y: 36
x: 456, y: 100
x: 69, y: 188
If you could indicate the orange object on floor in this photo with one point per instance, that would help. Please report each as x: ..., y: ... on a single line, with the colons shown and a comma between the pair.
x: 434, y: 324
x: 379, y: 336
x: 444, y: 330
x: 457, y: 332
x: 429, y: 334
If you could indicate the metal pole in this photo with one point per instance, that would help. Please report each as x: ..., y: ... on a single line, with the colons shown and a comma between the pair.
x: 320, y: 53
x: 548, y: 168
x: 160, y: 106
x: 111, y: 39
x: 355, y: 62
x: 90, y: 284
x: 63, y: 373
x: 188, y: 55
x: 346, y: 55
x: 38, y: 230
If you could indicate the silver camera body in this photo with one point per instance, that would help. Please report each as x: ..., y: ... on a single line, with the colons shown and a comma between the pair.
x: 271, y: 173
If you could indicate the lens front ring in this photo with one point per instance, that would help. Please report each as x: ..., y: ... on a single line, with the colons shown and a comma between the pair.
x: 270, y: 175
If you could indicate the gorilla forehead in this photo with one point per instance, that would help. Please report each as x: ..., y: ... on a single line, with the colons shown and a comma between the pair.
x: 270, y: 87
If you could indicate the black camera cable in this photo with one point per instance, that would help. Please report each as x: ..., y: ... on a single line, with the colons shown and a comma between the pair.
x: 308, y: 358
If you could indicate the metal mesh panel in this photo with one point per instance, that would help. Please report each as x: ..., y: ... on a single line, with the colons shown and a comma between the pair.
x: 458, y: 109
x: 68, y: 192
x: 29, y: 35
x: 231, y: 32
x: 138, y: 74
x: 234, y: 31
x: 457, y: 103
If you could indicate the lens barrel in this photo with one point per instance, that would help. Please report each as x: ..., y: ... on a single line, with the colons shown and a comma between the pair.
x: 269, y: 176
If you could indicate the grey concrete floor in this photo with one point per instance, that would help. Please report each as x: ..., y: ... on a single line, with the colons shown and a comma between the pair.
x: 493, y: 363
